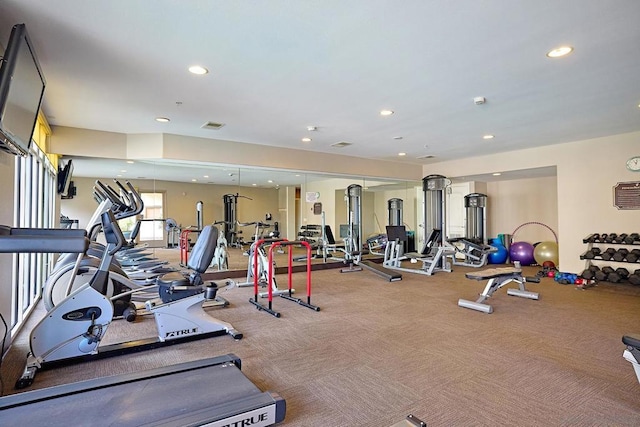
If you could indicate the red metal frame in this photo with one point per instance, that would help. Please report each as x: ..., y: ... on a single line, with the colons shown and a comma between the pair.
x: 274, y: 245
x: 184, y: 246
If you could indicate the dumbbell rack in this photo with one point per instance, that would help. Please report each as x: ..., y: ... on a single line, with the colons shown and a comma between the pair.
x: 630, y: 244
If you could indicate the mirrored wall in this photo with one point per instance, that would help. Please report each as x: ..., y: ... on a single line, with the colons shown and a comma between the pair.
x: 186, y: 194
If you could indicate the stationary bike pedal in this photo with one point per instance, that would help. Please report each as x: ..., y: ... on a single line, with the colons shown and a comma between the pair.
x: 210, y: 291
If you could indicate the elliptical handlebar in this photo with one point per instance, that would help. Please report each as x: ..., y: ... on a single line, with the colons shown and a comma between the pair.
x: 127, y: 204
x: 136, y: 201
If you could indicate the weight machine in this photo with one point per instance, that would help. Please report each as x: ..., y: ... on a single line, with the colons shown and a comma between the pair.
x: 231, y: 232
x: 473, y: 250
x: 353, y: 241
x: 436, y: 253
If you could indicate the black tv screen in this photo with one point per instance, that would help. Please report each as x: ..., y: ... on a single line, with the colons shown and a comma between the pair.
x: 21, y: 90
x: 64, y: 178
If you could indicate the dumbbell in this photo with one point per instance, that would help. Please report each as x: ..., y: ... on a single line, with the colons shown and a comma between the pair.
x: 634, y: 278
x: 631, y: 238
x: 633, y: 256
x: 592, y: 253
x: 618, y: 275
x: 620, y: 255
x: 591, y: 238
x: 611, y: 238
x: 590, y: 272
x: 620, y: 238
x: 602, y: 275
x: 608, y: 254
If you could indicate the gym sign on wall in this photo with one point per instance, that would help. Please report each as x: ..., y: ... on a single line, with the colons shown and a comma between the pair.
x: 312, y: 196
x: 626, y: 195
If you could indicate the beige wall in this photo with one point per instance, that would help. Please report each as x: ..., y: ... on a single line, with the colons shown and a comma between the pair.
x: 333, y: 205
x: 90, y: 143
x: 587, y: 171
x: 513, y: 203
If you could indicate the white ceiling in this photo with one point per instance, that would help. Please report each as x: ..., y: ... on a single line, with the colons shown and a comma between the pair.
x: 279, y: 66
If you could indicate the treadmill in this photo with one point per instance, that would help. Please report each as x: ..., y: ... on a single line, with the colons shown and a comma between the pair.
x: 212, y: 392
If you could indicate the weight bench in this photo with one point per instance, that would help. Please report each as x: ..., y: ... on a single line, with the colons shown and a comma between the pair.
x: 632, y: 353
x: 475, y: 253
x: 498, y: 277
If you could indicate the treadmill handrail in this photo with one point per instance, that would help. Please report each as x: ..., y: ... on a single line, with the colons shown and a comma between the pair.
x: 43, y: 240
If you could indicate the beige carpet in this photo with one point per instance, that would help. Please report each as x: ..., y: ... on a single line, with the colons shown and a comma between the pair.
x: 378, y: 351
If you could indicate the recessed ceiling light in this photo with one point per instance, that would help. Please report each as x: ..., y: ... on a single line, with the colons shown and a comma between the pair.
x: 162, y: 119
x: 559, y: 51
x: 386, y: 112
x: 312, y: 128
x: 488, y: 136
x: 194, y: 180
x: 197, y: 69
x: 306, y: 139
x: 402, y: 154
x: 497, y: 174
x: 130, y: 162
x: 123, y: 171
x: 270, y: 181
x: 254, y: 185
x: 297, y: 174
x: 206, y: 176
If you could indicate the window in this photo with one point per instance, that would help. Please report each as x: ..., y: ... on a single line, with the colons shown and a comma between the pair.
x: 35, y: 198
x: 152, y: 231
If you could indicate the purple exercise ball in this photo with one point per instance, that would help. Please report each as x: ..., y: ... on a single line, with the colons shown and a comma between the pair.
x: 523, y: 252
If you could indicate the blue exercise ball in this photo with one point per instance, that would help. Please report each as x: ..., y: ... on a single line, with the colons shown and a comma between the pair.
x: 499, y: 256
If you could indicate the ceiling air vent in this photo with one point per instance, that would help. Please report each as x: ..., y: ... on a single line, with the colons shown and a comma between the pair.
x: 341, y: 144
x: 212, y: 125
x: 426, y: 156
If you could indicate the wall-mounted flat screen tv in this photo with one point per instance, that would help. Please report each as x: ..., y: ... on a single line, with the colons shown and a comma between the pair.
x: 21, y: 90
x: 64, y: 177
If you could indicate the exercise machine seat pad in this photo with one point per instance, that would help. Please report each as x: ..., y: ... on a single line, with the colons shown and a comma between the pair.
x: 631, y: 342
x: 204, y: 249
x: 493, y: 273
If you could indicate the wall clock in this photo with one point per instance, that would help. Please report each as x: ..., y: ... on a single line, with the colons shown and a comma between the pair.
x: 633, y: 164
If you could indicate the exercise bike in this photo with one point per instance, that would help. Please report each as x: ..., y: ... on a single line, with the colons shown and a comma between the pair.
x: 75, y: 327
x: 261, y: 269
x: 220, y: 259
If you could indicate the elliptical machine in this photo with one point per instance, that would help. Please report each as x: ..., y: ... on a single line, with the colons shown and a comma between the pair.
x: 75, y: 327
x: 65, y: 277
